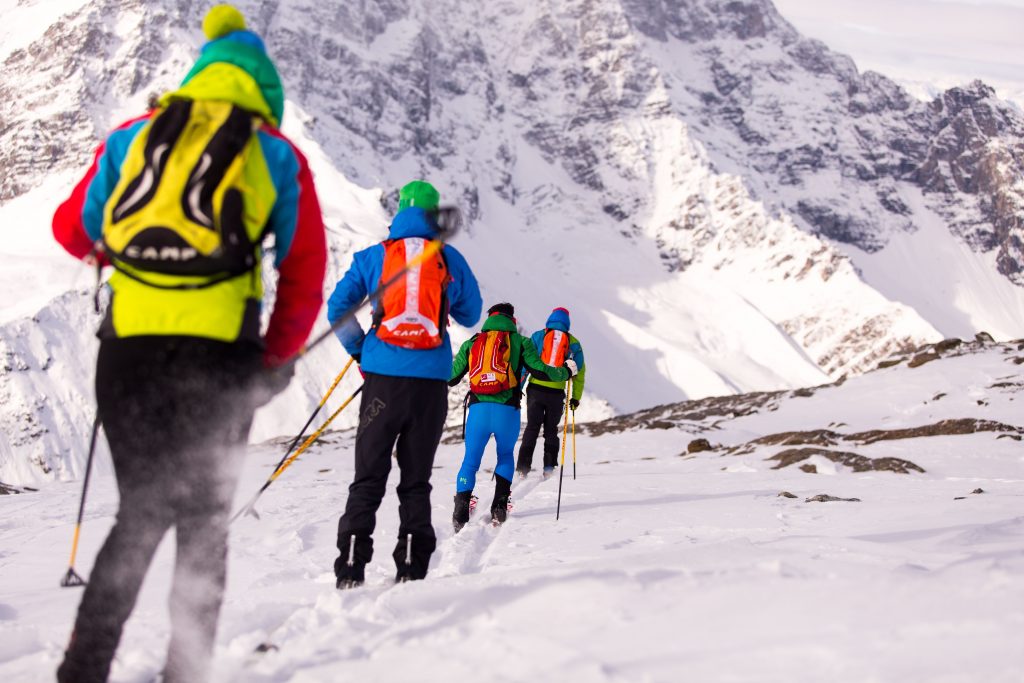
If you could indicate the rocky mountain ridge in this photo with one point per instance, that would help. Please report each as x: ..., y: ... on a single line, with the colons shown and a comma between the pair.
x: 704, y: 187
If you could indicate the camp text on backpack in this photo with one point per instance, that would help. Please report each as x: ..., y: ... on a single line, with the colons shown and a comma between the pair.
x: 413, y: 314
x: 193, y: 198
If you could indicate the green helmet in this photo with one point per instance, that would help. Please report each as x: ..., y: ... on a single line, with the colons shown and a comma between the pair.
x: 418, y: 193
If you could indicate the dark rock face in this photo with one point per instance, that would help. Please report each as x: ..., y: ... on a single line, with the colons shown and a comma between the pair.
x: 953, y: 427
x: 964, y: 150
x: 977, y: 149
x: 698, y: 446
x: 857, y: 463
x: 688, y: 412
x: 828, y: 437
x: 922, y: 358
x: 947, y: 345
x: 826, y: 498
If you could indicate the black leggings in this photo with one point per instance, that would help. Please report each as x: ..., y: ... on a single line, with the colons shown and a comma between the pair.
x: 544, y: 407
x: 176, y: 415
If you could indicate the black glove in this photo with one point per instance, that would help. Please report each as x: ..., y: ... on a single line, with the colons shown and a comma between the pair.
x: 574, y: 403
x: 270, y: 382
x: 358, y: 358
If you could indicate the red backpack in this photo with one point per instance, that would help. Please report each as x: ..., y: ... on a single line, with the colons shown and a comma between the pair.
x: 556, y: 346
x: 490, y: 363
x: 413, y: 313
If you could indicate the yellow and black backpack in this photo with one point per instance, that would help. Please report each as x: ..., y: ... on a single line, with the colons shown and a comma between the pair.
x: 194, y: 197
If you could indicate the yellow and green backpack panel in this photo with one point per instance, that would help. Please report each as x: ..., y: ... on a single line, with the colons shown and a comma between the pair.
x: 193, y: 198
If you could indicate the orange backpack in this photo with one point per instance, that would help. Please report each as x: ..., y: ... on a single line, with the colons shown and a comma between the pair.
x: 413, y: 313
x: 490, y: 363
x: 556, y: 346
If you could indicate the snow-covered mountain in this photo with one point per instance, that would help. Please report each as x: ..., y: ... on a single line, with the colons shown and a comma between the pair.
x: 724, y: 205
x: 863, y: 532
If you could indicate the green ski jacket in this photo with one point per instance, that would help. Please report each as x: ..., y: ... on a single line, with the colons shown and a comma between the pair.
x: 522, y: 355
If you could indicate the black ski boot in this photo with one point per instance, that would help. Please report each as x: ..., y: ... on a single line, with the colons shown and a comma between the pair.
x: 350, y: 567
x: 461, y: 514
x: 412, y: 556
x: 499, y: 508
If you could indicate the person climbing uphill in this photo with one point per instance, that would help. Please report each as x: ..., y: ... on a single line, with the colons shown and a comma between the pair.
x: 495, y: 359
x: 545, y: 399
x: 178, y: 201
x: 406, y: 359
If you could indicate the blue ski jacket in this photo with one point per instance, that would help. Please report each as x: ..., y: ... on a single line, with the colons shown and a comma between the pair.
x: 363, y: 277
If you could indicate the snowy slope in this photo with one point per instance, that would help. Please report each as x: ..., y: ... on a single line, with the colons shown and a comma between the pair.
x: 661, y: 568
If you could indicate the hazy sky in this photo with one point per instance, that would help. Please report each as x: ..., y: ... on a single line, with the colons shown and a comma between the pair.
x: 925, y: 44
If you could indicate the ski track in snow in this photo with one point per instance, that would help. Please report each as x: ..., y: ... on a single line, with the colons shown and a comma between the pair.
x: 661, y: 568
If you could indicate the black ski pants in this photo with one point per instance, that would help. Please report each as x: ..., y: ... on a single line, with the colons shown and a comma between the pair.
x: 544, y: 407
x: 176, y: 414
x: 404, y: 415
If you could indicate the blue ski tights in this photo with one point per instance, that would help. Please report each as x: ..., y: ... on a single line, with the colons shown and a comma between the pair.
x: 484, y: 420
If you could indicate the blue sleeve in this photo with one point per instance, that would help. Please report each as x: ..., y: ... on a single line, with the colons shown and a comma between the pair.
x: 464, y: 300
x: 108, y: 173
x: 284, y: 172
x: 350, y: 291
x: 576, y: 353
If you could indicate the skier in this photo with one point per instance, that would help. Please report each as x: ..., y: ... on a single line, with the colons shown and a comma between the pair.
x: 406, y: 360
x: 181, y: 365
x: 495, y: 359
x: 545, y: 399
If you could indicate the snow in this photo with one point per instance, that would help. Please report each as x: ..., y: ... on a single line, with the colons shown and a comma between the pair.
x: 661, y: 568
x: 36, y: 269
x: 26, y: 20
x: 970, y: 296
x: 925, y: 44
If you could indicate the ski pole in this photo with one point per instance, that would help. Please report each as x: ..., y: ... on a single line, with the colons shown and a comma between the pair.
x: 561, y: 469
x: 286, y: 463
x: 319, y: 407
x: 72, y: 578
x: 249, y: 508
x: 574, y: 444
x: 449, y: 221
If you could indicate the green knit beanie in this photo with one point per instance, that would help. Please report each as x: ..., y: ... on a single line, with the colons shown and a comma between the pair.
x: 418, y: 193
